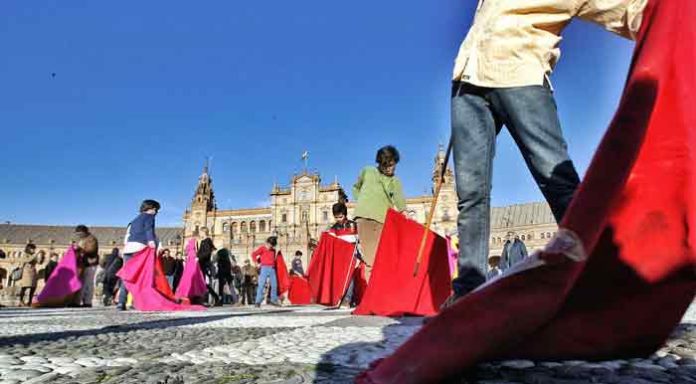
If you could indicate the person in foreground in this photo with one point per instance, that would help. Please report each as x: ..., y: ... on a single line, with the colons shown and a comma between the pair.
x: 501, y: 77
x: 624, y: 251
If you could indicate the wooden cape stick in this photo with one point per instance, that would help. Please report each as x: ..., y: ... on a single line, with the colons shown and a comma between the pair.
x: 429, y: 222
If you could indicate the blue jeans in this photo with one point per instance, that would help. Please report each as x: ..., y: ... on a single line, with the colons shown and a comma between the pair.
x: 267, y: 273
x: 123, y: 292
x: 478, y: 114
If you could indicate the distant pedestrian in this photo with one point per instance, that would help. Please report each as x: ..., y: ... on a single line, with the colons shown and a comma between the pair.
x: 178, y: 269
x: 297, y: 264
x: 250, y: 281
x: 265, y: 256
x: 205, y: 260
x: 514, y: 251
x: 168, y: 266
x: 87, y: 249
x: 51, y: 265
x: 27, y: 280
x: 493, y: 267
x: 224, y: 274
x: 113, y: 264
x: 140, y: 234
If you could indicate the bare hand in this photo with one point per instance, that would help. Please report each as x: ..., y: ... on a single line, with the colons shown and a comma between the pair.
x: 151, y: 244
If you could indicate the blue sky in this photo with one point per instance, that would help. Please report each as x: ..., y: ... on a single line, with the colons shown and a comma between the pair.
x: 144, y: 91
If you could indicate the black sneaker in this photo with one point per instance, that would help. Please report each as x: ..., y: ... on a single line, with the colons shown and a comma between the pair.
x: 121, y: 307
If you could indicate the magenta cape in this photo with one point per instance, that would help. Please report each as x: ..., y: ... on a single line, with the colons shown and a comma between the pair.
x: 192, y: 283
x: 63, y: 283
x: 149, y: 288
x: 619, y: 275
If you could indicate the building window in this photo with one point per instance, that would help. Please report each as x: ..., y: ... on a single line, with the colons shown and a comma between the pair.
x: 548, y: 235
x: 225, y: 227
x: 243, y: 227
x: 262, y: 226
x: 252, y: 227
x: 233, y: 230
x: 522, y: 237
x: 529, y: 236
x: 284, y: 218
x: 325, y: 216
x: 305, y: 216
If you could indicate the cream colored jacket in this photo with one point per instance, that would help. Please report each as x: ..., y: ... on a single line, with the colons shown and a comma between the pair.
x: 514, y: 43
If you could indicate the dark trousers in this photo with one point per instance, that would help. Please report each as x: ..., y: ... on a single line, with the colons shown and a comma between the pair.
x: 478, y: 114
x: 31, y: 290
x: 248, y: 292
x: 222, y: 280
x: 206, y: 268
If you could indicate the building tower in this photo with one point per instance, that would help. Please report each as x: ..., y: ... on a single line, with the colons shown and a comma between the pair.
x: 203, y: 205
x: 446, y: 209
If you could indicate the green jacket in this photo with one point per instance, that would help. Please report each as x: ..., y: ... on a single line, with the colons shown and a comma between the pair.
x: 375, y: 193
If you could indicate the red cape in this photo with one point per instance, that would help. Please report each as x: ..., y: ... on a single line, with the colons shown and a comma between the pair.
x: 300, y: 293
x: 331, y: 269
x: 634, y: 216
x: 393, y: 290
x: 282, y: 275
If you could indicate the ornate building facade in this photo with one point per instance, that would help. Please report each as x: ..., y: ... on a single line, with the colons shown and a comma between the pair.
x: 299, y: 212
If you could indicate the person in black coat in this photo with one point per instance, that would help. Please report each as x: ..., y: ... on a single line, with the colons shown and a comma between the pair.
x: 113, y: 264
x: 224, y: 271
x: 51, y: 265
x: 205, y: 260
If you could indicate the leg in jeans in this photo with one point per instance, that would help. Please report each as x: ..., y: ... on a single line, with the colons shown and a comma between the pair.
x: 531, y: 117
x: 274, y: 285
x: 263, y: 276
x: 123, y: 292
x: 474, y: 130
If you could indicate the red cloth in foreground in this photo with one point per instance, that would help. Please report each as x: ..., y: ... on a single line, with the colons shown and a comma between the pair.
x: 331, y: 269
x: 632, y: 215
x: 146, y: 282
x: 300, y: 292
x: 282, y: 275
x: 393, y: 290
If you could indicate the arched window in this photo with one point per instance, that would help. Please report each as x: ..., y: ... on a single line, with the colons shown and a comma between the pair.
x: 225, y: 227
x: 243, y: 227
x: 530, y: 236
x: 262, y: 226
x: 252, y: 227
x: 548, y: 235
x: 522, y: 237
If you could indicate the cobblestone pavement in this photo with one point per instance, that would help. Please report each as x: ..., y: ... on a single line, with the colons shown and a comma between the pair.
x: 279, y: 345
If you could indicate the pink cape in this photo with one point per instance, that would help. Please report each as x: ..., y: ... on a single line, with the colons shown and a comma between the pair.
x: 149, y: 288
x: 192, y: 283
x: 620, y: 274
x: 393, y: 290
x: 63, y: 283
